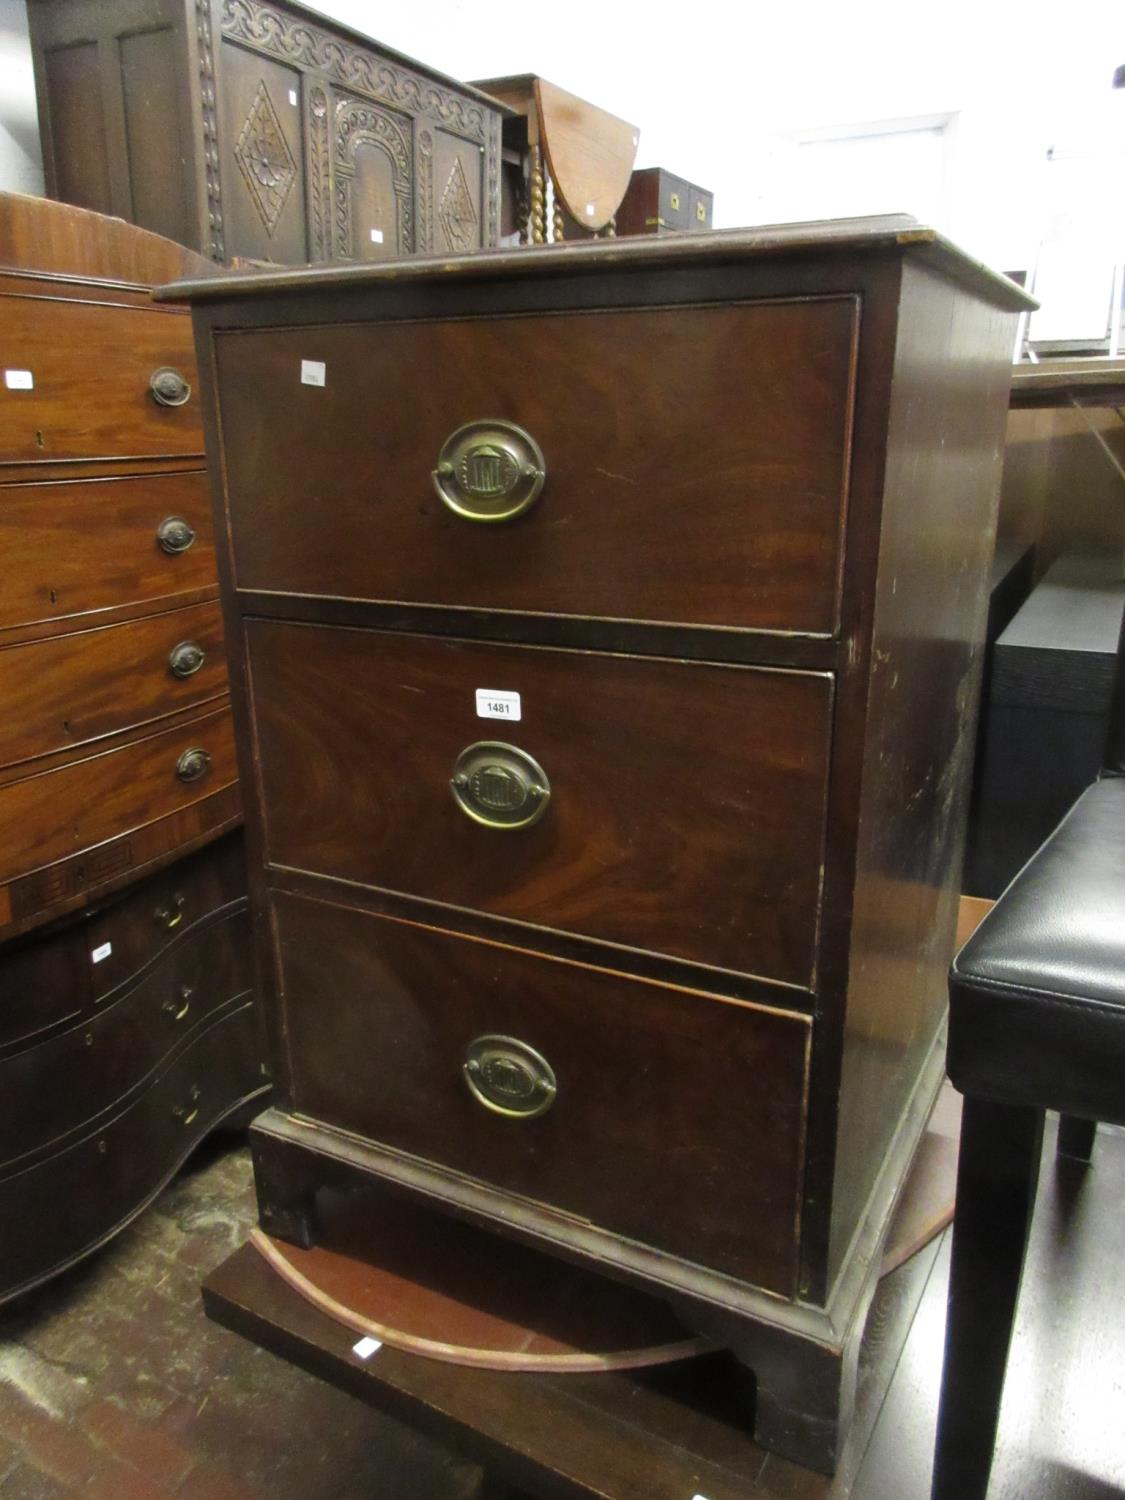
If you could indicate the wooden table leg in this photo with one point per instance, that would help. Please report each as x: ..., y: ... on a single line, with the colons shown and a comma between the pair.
x: 997, y: 1173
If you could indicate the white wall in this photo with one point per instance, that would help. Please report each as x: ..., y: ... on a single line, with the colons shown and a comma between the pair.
x: 724, y: 93
x: 720, y: 89
x: 21, y: 161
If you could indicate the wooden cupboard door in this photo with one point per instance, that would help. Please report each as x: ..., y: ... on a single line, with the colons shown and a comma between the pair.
x: 263, y: 155
x: 67, y: 691
x: 93, y: 546
x: 687, y: 802
x: 714, y: 494
x: 677, y: 1119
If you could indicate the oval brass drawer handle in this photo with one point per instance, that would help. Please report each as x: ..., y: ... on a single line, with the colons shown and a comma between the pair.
x: 174, y: 535
x: 186, y: 659
x: 489, y: 471
x: 509, y: 1077
x: 500, y: 786
x: 169, y: 387
x: 177, y: 1008
x: 187, y: 1111
x: 171, y: 914
x: 193, y: 764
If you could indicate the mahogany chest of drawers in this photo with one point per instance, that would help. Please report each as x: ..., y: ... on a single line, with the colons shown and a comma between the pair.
x: 126, y: 1031
x: 262, y: 131
x: 606, y: 635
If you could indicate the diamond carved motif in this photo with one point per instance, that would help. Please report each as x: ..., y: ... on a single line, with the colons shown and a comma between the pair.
x: 265, y: 159
x: 458, y: 218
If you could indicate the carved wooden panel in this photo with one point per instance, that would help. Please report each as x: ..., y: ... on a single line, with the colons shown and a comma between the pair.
x: 263, y: 157
x: 373, y: 161
x: 216, y: 121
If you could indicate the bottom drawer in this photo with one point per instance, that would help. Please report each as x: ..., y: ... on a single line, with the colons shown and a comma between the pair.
x: 65, y: 1206
x: 677, y: 1119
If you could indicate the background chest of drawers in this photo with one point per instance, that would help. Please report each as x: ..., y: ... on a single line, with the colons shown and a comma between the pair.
x: 116, y: 746
x: 651, y: 973
x: 261, y: 131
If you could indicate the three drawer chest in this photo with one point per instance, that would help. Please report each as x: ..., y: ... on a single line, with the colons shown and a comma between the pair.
x: 605, y: 629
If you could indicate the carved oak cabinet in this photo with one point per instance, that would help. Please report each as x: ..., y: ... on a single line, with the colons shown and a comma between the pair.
x: 261, y: 131
x: 606, y: 635
x: 127, y: 1029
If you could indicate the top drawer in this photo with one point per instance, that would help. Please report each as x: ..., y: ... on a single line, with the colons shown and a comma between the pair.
x: 90, y: 365
x: 695, y: 461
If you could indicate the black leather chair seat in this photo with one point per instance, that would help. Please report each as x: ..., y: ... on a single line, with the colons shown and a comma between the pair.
x: 1037, y: 996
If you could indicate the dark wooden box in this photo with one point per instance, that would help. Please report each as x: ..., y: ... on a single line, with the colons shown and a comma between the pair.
x: 656, y: 202
x: 1046, y: 717
x: 669, y: 999
x: 261, y: 131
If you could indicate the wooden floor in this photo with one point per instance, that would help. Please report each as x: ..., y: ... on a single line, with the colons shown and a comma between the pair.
x: 114, y: 1386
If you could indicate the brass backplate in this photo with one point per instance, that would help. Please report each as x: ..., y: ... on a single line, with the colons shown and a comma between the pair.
x: 489, y: 471
x: 509, y: 1077
x: 500, y: 786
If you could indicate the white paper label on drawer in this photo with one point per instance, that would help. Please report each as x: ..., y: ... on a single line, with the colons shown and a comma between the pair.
x: 97, y: 954
x: 19, y: 380
x: 366, y: 1348
x: 312, y: 372
x: 496, y: 705
x: 376, y: 236
x: 293, y: 97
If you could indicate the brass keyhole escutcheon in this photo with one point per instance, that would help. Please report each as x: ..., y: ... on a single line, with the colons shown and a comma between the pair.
x: 508, y: 1077
x: 489, y: 471
x: 500, y: 786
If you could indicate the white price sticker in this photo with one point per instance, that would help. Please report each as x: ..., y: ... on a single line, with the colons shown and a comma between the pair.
x: 376, y: 236
x: 492, y: 704
x: 366, y: 1348
x: 312, y: 372
x: 98, y: 954
x: 293, y: 97
x: 19, y: 380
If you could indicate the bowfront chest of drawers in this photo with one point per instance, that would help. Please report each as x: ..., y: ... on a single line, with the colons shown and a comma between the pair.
x: 606, y: 629
x: 125, y: 973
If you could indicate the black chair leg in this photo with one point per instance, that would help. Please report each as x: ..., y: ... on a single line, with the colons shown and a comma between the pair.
x: 997, y: 1173
x: 1076, y: 1137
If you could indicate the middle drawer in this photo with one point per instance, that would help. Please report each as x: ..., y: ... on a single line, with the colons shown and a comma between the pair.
x: 70, y: 690
x: 682, y: 811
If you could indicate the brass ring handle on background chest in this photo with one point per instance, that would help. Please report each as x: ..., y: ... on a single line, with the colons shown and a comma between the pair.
x: 508, y: 1077
x: 177, y: 1008
x: 171, y: 914
x: 187, y: 1111
x: 489, y: 471
x: 193, y: 764
x: 175, y: 535
x: 169, y: 387
x: 500, y: 786
x: 186, y: 659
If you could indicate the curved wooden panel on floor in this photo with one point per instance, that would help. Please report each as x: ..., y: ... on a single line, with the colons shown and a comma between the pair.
x: 425, y: 1284
x: 420, y: 1282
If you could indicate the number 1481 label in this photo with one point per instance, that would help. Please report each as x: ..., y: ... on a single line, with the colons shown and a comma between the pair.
x: 496, y: 705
